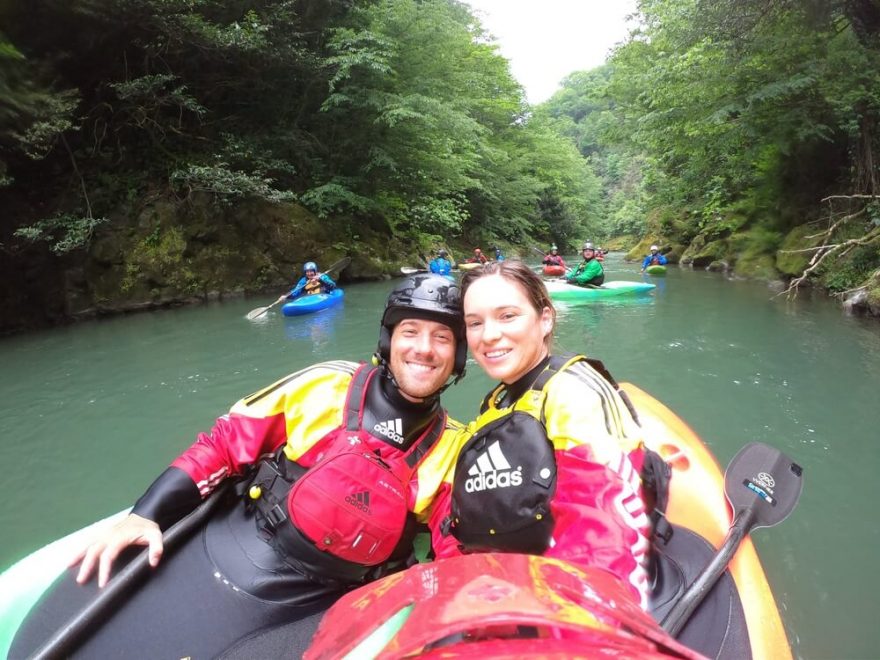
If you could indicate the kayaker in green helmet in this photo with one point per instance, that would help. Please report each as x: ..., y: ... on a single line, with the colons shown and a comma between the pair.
x: 590, y: 271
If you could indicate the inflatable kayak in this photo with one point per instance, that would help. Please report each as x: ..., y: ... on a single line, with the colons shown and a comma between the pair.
x: 480, y: 605
x: 553, y: 271
x: 656, y: 270
x: 738, y: 619
x: 564, y: 291
x: 313, y: 303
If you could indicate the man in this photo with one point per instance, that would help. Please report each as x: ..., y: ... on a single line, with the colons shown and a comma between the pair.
x: 590, y: 272
x: 440, y: 265
x: 653, y: 259
x: 553, y: 258
x: 334, y: 467
x: 310, y: 283
x: 479, y: 257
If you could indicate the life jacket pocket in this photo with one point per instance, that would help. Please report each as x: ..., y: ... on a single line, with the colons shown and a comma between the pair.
x: 505, y: 479
x: 351, y: 505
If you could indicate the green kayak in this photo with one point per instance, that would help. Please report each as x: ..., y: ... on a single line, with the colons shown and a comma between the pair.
x: 656, y: 270
x: 560, y: 290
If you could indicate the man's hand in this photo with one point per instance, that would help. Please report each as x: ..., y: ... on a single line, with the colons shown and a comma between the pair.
x: 132, y: 530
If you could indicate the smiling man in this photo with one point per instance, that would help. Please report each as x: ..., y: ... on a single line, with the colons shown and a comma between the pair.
x: 335, y: 467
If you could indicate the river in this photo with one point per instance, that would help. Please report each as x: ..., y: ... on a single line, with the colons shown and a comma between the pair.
x: 93, y: 411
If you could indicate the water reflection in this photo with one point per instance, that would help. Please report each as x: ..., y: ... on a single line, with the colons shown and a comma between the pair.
x: 318, y: 329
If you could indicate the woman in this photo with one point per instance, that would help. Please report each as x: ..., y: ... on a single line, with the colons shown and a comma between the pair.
x: 551, y: 464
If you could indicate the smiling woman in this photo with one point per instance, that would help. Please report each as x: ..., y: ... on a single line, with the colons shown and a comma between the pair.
x: 552, y: 463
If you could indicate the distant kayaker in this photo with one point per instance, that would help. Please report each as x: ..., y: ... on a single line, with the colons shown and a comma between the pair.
x: 553, y: 468
x: 478, y: 258
x: 654, y: 259
x: 600, y: 254
x: 440, y: 265
x: 310, y: 283
x: 498, y: 255
x: 335, y: 465
x: 553, y: 258
x: 589, y: 272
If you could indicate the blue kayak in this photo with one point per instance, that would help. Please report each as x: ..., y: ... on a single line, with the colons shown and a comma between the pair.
x: 313, y: 303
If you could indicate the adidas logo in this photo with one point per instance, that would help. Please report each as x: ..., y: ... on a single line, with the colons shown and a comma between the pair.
x: 360, y: 500
x: 392, y: 429
x: 492, y: 471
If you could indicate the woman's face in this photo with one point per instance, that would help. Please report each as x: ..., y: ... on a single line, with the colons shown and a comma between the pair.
x: 504, y: 332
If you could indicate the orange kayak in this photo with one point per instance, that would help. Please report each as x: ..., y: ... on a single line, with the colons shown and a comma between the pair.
x: 697, y: 502
x: 482, y: 605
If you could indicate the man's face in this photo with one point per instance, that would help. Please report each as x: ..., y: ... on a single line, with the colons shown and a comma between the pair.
x: 311, y: 274
x: 589, y: 254
x: 422, y: 357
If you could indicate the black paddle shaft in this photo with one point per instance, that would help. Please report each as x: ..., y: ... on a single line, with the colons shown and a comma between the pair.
x: 66, y: 638
x: 763, y: 486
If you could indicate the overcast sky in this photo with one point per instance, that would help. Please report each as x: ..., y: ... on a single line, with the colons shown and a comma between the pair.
x: 545, y: 40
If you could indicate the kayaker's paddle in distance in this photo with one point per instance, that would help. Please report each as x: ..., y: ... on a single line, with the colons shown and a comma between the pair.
x: 763, y: 486
x: 259, y: 311
x: 409, y: 270
x: 541, y: 253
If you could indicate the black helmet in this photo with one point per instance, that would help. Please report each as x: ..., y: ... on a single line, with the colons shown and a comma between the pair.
x: 442, y: 253
x: 425, y: 296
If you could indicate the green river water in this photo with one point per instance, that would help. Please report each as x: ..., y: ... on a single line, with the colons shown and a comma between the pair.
x: 92, y: 412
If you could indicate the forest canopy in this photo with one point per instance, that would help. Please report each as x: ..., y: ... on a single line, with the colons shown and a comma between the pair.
x: 398, y: 110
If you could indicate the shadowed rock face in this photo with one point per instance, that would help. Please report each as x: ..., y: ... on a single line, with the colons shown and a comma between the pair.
x: 176, y: 254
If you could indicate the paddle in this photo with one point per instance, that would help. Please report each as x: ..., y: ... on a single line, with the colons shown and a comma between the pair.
x: 66, y: 638
x: 763, y: 486
x: 541, y: 253
x: 259, y: 311
x: 409, y: 270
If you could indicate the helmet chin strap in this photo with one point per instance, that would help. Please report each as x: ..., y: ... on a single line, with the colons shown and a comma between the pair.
x: 385, y: 368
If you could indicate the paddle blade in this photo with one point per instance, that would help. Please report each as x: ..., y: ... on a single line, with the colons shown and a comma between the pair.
x: 258, y: 312
x: 764, y: 483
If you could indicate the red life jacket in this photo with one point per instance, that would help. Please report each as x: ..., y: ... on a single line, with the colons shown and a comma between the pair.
x: 346, y: 515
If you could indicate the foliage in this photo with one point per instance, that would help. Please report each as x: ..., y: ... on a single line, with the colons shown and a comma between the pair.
x: 740, y: 121
x: 65, y: 232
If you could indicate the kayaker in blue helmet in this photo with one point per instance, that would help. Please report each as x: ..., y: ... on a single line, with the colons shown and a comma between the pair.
x: 590, y: 271
x: 498, y: 255
x: 310, y: 283
x: 440, y: 265
x: 653, y: 259
x: 334, y: 468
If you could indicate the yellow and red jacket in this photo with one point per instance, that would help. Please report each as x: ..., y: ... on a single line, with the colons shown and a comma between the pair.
x: 298, y: 412
x: 592, y: 456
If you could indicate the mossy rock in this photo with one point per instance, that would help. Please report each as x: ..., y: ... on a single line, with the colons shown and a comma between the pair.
x: 756, y: 266
x: 789, y: 261
x: 701, y: 254
x: 643, y: 248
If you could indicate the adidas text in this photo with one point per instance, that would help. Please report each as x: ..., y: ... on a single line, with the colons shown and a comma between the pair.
x: 386, y: 429
x: 493, y: 480
x: 360, y: 501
